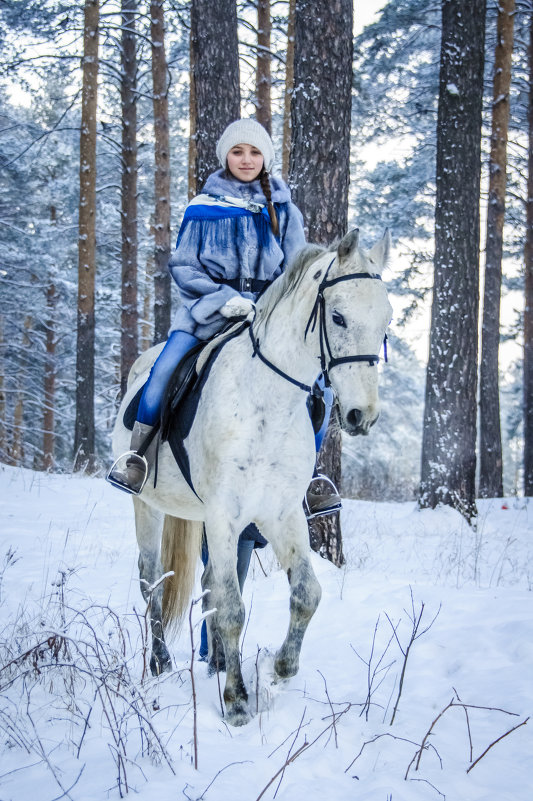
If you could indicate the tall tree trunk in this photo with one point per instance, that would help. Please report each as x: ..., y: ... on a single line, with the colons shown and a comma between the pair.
x: 129, y: 344
x: 449, y: 435
x: 84, y: 425
x: 50, y: 371
x: 528, y: 310
x: 49, y: 380
x: 162, y: 173
x: 192, y: 189
x: 3, y: 432
x: 289, y: 83
x: 490, y: 440
x: 215, y: 65
x: 319, y: 171
x: 263, y: 107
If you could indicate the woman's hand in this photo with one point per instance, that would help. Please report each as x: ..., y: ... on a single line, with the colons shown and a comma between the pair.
x: 238, y: 307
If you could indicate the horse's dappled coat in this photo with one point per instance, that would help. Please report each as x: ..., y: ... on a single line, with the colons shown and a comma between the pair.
x: 252, y: 454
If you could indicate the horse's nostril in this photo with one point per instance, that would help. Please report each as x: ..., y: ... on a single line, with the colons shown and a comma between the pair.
x: 354, y: 417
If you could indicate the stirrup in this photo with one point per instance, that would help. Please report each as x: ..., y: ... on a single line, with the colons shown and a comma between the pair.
x: 117, y: 474
x: 335, y: 506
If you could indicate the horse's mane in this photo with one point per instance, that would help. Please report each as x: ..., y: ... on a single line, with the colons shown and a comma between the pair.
x: 287, y: 282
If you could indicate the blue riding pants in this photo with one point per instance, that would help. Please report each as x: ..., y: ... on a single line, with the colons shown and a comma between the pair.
x: 328, y: 398
x: 244, y: 554
x: 177, y: 345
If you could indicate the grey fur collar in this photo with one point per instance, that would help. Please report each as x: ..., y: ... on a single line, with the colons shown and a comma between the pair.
x: 218, y: 184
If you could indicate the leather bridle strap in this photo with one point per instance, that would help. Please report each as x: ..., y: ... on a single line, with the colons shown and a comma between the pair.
x: 318, y: 312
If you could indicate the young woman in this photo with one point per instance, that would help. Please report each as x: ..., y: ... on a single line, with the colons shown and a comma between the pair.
x: 235, y: 239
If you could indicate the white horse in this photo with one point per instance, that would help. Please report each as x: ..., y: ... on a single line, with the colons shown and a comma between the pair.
x: 251, y: 449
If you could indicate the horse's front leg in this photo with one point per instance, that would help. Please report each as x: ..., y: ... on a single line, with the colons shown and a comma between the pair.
x: 149, y: 528
x: 290, y: 540
x: 225, y: 625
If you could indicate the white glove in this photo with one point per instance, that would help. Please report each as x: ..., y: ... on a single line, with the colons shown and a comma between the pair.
x: 238, y: 307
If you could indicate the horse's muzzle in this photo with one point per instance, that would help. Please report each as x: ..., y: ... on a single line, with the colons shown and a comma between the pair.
x: 357, y: 423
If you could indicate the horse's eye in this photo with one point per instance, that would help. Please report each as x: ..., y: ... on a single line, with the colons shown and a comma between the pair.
x: 338, y: 319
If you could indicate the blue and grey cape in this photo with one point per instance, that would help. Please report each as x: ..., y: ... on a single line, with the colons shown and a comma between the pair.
x: 226, y: 235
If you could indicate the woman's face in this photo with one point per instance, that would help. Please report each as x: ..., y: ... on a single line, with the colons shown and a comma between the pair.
x: 245, y: 162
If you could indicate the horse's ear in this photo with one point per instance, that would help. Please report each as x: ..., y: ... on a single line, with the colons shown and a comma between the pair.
x: 381, y: 251
x: 348, y: 244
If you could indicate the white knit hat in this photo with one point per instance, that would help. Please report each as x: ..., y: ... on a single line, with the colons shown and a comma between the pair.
x: 246, y: 132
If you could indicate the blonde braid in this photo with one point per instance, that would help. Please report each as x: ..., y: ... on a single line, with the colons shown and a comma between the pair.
x: 264, y: 180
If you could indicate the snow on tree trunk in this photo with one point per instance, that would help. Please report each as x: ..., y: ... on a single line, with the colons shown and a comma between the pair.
x: 84, y: 425
x: 161, y: 173
x: 449, y: 435
x: 490, y: 440
x: 129, y: 343
x: 215, y: 67
x: 263, y: 107
x: 319, y: 167
x: 528, y: 310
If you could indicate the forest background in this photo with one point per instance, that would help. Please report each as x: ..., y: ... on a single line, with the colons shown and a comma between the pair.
x: 393, y: 166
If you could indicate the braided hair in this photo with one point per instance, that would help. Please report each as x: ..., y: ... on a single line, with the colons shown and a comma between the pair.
x: 264, y: 180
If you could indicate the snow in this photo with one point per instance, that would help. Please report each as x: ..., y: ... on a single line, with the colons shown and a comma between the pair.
x: 69, y: 548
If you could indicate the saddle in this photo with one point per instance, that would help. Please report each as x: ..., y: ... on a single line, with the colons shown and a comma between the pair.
x: 182, y: 395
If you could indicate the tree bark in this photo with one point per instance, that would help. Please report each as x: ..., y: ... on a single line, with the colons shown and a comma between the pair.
x: 3, y: 432
x: 449, y: 435
x: 319, y: 167
x: 162, y: 172
x: 129, y: 343
x: 528, y: 309
x: 490, y: 439
x: 84, y: 425
x: 50, y: 370
x: 289, y: 83
x: 319, y: 171
x: 263, y: 107
x: 146, y: 325
x: 192, y: 189
x: 215, y: 67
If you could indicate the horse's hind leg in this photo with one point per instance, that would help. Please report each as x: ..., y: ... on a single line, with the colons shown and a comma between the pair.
x: 149, y: 527
x: 220, y: 577
x: 290, y: 541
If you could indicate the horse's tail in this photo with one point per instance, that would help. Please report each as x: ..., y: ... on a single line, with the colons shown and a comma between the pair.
x: 180, y: 550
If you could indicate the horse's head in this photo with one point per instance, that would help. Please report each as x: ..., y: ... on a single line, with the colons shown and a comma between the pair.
x: 354, y: 316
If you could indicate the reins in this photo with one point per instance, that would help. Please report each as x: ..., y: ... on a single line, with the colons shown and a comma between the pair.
x: 318, y: 312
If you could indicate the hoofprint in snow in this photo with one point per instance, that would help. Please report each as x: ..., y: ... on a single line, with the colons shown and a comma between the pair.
x: 81, y: 718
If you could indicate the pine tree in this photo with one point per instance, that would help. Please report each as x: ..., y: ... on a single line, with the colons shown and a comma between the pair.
x: 528, y: 310
x: 263, y: 79
x: 215, y: 66
x: 85, y: 349
x: 449, y: 435
x: 320, y: 167
x: 129, y: 245
x: 490, y: 440
x: 162, y: 172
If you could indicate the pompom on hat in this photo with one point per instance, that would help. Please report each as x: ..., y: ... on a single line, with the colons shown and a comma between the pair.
x: 246, y: 132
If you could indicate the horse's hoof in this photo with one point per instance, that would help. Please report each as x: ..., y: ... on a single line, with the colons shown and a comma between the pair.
x: 285, y: 668
x: 237, y: 715
x: 159, y: 665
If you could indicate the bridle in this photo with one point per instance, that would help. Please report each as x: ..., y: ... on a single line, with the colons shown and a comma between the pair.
x: 318, y: 314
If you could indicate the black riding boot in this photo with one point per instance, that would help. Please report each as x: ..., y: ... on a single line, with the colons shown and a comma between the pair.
x: 131, y: 470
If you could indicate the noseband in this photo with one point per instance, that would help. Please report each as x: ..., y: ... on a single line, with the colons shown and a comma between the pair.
x: 318, y: 313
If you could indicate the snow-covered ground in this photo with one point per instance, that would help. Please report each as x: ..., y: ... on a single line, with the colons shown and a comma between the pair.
x: 79, y: 720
